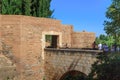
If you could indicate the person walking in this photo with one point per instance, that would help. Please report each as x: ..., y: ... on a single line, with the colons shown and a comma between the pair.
x: 105, y: 48
x: 100, y: 46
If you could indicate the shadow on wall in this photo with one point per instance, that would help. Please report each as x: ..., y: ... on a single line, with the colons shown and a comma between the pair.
x: 7, y: 63
x: 66, y: 73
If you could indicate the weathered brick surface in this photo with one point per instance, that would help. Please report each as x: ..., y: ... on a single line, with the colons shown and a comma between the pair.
x: 7, y: 68
x: 24, y: 37
x: 83, y: 39
x: 67, y: 35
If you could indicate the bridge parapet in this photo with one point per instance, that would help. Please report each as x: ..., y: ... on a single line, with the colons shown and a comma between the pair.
x: 60, y: 61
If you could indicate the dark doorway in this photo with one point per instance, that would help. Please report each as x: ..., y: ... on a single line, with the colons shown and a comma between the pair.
x: 54, y: 41
x: 51, y: 41
x: 73, y: 75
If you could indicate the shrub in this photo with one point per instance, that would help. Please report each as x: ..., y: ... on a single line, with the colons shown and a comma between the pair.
x: 107, y: 67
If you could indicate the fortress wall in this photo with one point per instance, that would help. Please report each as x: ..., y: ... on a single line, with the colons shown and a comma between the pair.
x: 10, y: 33
x: 67, y: 34
x: 23, y: 37
x: 82, y: 39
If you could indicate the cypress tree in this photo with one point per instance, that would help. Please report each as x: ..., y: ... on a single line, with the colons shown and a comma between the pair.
x: 16, y: 7
x: 41, y: 8
x: 6, y: 8
x: 26, y: 7
x: 0, y: 6
x: 37, y: 8
x: 11, y: 7
x: 38, y: 13
x: 33, y: 7
x: 48, y: 12
x: 44, y: 8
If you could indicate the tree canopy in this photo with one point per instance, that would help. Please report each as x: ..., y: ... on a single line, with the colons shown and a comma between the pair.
x: 37, y: 8
x: 105, y: 39
x: 112, y: 24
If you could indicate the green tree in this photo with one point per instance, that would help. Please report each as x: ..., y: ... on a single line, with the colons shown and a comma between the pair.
x: 41, y: 8
x: 6, y: 7
x: 37, y: 8
x: 46, y: 8
x: 0, y: 6
x: 106, y: 68
x: 26, y: 7
x: 112, y: 25
x: 11, y: 7
x: 105, y: 39
x: 34, y: 4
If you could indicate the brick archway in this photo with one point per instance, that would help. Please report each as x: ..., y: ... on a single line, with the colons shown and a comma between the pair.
x: 77, y: 75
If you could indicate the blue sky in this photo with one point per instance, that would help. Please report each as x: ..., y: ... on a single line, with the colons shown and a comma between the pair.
x: 88, y: 15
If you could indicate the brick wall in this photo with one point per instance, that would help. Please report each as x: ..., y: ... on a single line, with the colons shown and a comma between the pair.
x: 67, y: 34
x: 24, y: 35
x: 7, y: 69
x: 82, y: 39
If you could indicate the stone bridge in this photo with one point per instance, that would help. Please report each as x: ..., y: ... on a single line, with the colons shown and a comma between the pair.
x: 60, y: 62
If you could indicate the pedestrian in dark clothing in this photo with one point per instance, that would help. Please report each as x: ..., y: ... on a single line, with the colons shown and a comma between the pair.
x: 105, y: 48
x: 94, y: 45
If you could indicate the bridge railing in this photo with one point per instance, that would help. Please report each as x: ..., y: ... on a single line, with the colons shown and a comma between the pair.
x: 75, y: 50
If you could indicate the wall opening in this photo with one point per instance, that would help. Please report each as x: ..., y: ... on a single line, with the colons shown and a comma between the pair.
x: 56, y: 37
x: 51, y: 41
x: 73, y: 75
